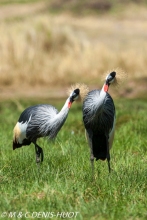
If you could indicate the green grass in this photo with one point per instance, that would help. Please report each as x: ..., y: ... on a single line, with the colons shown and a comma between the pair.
x: 63, y: 182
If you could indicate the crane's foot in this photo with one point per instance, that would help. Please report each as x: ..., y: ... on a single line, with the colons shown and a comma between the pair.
x: 41, y: 155
x: 38, y: 159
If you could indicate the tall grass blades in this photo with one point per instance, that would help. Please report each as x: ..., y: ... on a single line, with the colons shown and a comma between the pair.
x: 63, y: 183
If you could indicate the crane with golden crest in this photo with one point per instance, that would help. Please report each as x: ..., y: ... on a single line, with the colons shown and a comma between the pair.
x: 99, y: 119
x: 43, y: 120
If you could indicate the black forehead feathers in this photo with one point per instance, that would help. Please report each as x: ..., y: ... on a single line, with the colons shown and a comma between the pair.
x: 113, y: 74
x: 77, y: 91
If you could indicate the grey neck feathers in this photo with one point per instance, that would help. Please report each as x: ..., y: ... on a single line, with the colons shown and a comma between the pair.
x: 98, y: 105
x: 59, y: 120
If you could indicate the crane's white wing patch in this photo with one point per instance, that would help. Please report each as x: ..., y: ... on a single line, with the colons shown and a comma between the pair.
x: 20, y: 131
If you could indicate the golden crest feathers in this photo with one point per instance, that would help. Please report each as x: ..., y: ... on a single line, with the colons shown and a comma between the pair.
x: 82, y: 87
x: 121, y: 76
x: 16, y: 132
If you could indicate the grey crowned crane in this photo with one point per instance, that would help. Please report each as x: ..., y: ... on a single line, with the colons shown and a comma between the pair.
x: 99, y: 121
x: 41, y: 121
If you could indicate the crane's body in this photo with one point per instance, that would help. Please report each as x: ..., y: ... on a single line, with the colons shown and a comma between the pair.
x: 99, y: 122
x: 40, y: 121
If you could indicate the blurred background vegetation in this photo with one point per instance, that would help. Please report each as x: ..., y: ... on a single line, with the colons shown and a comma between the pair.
x: 45, y: 46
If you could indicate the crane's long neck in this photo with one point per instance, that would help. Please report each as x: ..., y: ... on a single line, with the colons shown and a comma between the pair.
x: 59, y: 119
x: 99, y: 104
x: 103, y: 91
x: 62, y: 115
x: 65, y: 109
x: 105, y: 87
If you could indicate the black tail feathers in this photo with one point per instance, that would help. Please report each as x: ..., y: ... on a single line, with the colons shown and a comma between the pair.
x: 100, y: 147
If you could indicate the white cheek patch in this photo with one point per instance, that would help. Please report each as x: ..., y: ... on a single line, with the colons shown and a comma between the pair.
x: 76, y: 98
x: 112, y: 81
x: 23, y: 128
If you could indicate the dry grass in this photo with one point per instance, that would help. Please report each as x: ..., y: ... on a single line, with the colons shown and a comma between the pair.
x: 47, y: 51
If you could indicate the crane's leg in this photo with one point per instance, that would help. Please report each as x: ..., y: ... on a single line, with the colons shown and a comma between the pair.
x: 39, y: 153
x: 108, y: 160
x: 108, y: 157
x: 92, y: 160
x: 89, y: 139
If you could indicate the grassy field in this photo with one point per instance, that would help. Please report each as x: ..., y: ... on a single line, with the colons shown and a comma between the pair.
x: 44, y: 47
x: 63, y: 185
